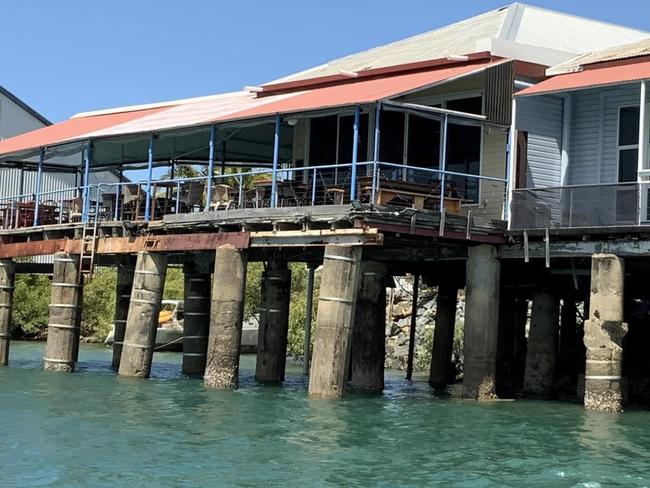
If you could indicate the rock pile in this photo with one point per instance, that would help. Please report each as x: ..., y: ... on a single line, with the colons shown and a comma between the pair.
x: 398, y: 324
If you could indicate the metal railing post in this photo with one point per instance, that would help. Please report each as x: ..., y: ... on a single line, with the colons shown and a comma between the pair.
x: 240, y: 199
x: 85, y: 198
x: 355, y: 154
x: 39, y: 177
x: 443, y: 161
x: 276, y: 156
x: 375, y: 165
x: 213, y: 137
x: 313, y: 189
x: 147, y: 203
x: 178, y: 197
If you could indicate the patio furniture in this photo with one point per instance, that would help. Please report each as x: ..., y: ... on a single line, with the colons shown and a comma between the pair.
x: 71, y: 210
x: 190, y: 195
x: 107, y: 210
x: 257, y: 196
x: 292, y: 193
x: 132, y: 199
x: 221, y: 198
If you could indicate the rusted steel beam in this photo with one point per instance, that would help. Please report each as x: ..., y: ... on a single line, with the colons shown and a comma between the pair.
x: 197, y: 242
x: 39, y: 248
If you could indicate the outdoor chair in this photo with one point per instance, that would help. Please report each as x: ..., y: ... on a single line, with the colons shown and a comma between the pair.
x: 256, y: 197
x: 74, y: 210
x: 221, y: 198
x: 108, y: 206
x: 190, y: 195
x: 132, y: 199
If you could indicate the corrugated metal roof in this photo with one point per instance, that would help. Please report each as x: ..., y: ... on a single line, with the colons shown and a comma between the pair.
x: 591, y: 78
x: 237, y: 106
x: 628, y: 51
x: 68, y: 130
x: 520, y: 23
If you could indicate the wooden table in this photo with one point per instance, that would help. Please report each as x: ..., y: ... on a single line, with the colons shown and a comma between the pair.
x: 389, y: 190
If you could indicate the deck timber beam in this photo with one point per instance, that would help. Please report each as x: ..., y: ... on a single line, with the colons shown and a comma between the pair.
x: 573, y: 249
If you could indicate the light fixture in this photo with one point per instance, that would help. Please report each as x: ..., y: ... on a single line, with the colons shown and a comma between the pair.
x: 292, y: 121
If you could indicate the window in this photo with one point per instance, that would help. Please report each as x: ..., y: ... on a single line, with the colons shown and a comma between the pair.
x: 391, y: 126
x: 322, y: 140
x: 464, y: 156
x: 346, y: 135
x: 628, y: 143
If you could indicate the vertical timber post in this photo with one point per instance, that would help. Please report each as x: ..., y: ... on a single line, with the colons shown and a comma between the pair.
x: 338, y: 295
x: 144, y: 309
x: 226, y: 317
x: 443, y: 336
x: 412, y: 335
x: 605, y: 387
x: 7, y: 281
x: 369, y: 332
x: 541, y: 357
x: 311, y: 271
x: 196, y: 320
x: 64, y: 314
x: 125, y: 273
x: 274, y: 323
x: 481, y: 322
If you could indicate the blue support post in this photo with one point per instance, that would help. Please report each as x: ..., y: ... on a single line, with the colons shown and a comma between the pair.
x: 39, y: 177
x: 375, y: 165
x: 85, y: 195
x: 443, y: 161
x: 213, y: 138
x: 276, y: 157
x: 355, y: 154
x: 147, y: 203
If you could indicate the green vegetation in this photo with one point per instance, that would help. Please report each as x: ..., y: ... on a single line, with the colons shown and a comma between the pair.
x: 297, y: 310
x: 32, y: 298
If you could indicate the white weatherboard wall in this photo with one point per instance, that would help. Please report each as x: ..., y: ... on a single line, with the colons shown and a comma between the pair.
x: 594, y: 131
x: 541, y: 117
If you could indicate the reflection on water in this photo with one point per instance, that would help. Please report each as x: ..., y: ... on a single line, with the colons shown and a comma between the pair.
x: 92, y: 429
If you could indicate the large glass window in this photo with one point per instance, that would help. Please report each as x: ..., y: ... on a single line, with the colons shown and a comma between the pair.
x: 346, y: 136
x: 464, y: 156
x: 391, y: 125
x: 628, y: 143
x: 322, y: 140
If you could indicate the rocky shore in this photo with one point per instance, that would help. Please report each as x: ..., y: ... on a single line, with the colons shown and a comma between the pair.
x: 398, y: 325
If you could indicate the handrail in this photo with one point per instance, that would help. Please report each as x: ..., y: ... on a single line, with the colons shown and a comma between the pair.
x: 96, y: 190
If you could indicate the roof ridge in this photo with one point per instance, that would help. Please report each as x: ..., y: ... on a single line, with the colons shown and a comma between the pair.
x: 398, y: 41
x: 147, y: 106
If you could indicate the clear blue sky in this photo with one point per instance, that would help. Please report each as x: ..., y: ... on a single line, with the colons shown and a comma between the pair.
x: 67, y: 56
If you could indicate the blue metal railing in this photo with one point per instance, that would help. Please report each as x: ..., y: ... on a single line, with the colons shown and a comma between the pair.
x: 369, y: 182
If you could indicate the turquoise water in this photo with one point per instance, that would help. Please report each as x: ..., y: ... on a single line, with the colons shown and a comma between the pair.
x: 91, y: 429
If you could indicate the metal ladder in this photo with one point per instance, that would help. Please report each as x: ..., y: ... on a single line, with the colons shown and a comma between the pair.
x: 88, y: 247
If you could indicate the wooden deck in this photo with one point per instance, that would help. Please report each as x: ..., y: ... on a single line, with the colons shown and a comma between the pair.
x: 302, y: 229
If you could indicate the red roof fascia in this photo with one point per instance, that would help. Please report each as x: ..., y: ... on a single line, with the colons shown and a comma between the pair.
x: 591, y: 78
x: 364, y: 91
x: 70, y: 130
